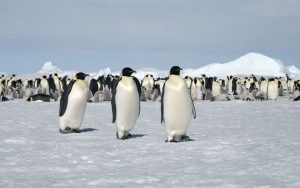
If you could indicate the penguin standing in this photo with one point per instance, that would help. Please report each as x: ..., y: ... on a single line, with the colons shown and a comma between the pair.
x: 72, y: 104
x: 57, y: 82
x: 44, y: 85
x: 272, y: 90
x: 177, y: 107
x: 125, y: 103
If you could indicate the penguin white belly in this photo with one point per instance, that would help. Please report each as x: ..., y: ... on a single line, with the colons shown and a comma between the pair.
x: 177, y: 108
x: 76, y: 107
x: 264, y: 86
x: 127, y: 106
x: 45, y: 87
x: 216, y: 89
x: 272, y: 91
x: 229, y: 87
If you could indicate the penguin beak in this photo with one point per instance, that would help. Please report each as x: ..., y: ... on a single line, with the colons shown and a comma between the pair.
x: 179, y: 68
x: 86, y: 75
x: 133, y: 71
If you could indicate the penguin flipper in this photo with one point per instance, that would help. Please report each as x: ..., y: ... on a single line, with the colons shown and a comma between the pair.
x: 64, y: 98
x: 113, y: 98
x: 162, y: 102
x: 138, y: 85
x: 193, y: 106
x: 139, y: 88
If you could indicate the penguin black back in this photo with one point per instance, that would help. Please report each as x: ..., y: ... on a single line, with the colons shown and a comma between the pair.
x: 51, y: 83
x: 113, y: 99
x: 93, y: 86
x: 64, y: 98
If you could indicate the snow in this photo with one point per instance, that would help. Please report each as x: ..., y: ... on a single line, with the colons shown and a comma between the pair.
x: 48, y: 68
x: 293, y: 70
x: 237, y: 144
x: 251, y: 63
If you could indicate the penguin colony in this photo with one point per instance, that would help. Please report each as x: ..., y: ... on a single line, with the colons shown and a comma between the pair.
x: 176, y: 95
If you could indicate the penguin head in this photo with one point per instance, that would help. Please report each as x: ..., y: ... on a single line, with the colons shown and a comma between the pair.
x: 175, y: 70
x: 81, y: 75
x: 127, y: 71
x: 29, y: 99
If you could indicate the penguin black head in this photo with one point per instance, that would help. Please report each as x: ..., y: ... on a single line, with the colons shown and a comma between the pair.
x: 81, y: 75
x: 55, y: 74
x: 175, y: 70
x: 44, y: 76
x: 127, y: 71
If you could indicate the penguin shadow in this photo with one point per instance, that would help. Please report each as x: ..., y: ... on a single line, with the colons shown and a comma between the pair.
x: 182, y: 140
x: 88, y: 130
x: 136, y: 136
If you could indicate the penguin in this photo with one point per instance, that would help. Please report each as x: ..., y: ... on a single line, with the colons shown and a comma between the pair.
x: 192, y: 87
x: 44, y: 85
x: 229, y: 85
x: 51, y: 83
x: 126, y: 92
x: 40, y: 98
x: 272, y: 91
x: 177, y: 107
x: 57, y: 83
x: 72, y: 104
x: 93, y: 86
x: 148, y: 84
x: 216, y: 88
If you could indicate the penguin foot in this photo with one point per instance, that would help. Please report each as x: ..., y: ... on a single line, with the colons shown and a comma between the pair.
x: 172, y: 140
x: 123, y: 137
x: 185, y: 138
x: 65, y: 131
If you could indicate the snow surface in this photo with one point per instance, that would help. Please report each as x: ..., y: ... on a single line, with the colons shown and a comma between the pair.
x: 237, y: 144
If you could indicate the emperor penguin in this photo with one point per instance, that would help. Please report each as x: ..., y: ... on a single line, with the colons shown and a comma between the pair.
x: 177, y: 107
x: 72, y: 104
x: 45, y: 85
x: 125, y: 102
x: 57, y: 82
x: 273, y: 90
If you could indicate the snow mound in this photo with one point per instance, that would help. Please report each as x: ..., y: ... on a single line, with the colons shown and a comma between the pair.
x: 48, y: 68
x: 251, y: 63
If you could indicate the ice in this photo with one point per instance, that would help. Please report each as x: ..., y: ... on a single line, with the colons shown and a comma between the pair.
x: 48, y: 68
x: 237, y: 144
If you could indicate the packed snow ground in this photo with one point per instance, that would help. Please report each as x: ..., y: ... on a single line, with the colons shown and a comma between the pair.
x: 237, y: 144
